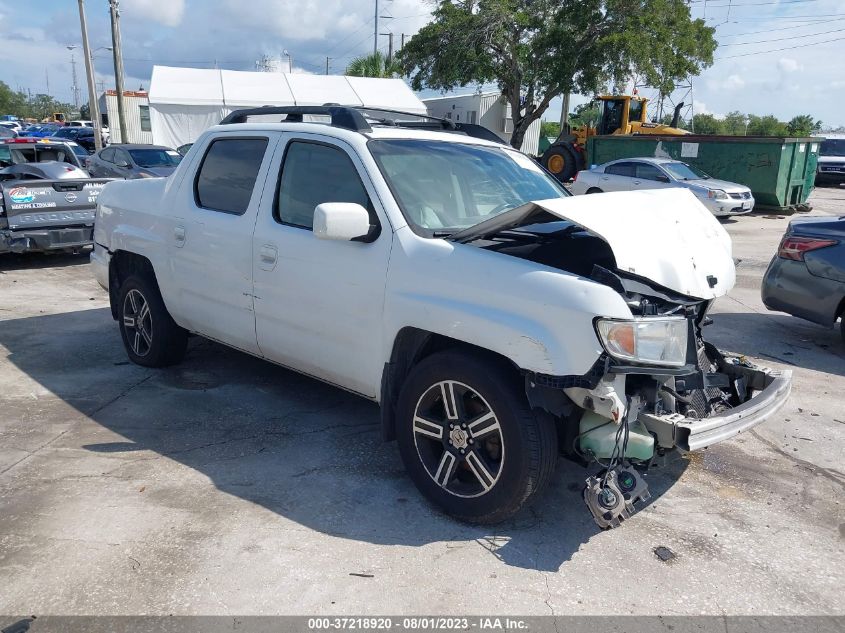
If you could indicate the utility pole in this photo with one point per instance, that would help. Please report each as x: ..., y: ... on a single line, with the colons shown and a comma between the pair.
x: 375, y: 32
x: 402, y: 44
x: 93, y: 106
x: 117, y: 55
x: 389, y: 46
x: 564, y: 112
x: 47, y: 77
x: 327, y: 64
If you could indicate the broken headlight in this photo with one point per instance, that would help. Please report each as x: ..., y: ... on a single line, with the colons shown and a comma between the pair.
x: 652, y: 340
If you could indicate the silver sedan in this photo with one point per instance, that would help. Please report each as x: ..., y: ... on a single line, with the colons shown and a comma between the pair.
x: 722, y: 197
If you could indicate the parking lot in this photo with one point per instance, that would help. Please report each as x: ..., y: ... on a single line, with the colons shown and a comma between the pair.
x: 227, y: 485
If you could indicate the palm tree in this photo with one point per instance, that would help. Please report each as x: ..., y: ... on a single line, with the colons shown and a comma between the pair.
x: 373, y: 65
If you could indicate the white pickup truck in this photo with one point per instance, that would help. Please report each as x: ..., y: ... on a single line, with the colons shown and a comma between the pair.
x: 498, y: 321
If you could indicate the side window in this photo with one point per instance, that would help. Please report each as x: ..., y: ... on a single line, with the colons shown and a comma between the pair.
x: 227, y: 174
x: 107, y: 155
x: 313, y: 173
x: 620, y: 169
x: 649, y: 172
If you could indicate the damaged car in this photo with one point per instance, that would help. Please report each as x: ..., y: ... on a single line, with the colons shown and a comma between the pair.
x: 499, y: 322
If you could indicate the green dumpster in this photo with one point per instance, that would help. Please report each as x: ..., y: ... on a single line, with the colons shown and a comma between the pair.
x: 779, y: 171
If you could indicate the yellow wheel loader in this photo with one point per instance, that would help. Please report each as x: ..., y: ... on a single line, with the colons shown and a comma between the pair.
x: 620, y: 114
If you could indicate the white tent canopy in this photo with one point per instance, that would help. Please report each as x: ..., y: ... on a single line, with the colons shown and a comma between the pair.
x: 184, y: 102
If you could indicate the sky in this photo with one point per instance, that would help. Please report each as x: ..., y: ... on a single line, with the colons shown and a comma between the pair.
x: 781, y: 57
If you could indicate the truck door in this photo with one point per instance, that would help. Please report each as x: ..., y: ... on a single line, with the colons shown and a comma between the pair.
x: 210, y: 237
x: 318, y: 303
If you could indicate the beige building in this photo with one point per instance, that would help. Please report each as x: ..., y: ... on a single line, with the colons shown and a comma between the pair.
x: 137, y: 106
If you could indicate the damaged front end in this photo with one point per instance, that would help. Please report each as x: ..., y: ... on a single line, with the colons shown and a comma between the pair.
x: 689, y: 398
x: 641, y: 406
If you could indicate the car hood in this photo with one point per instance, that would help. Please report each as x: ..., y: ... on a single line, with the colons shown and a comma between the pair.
x: 665, y: 235
x: 714, y: 183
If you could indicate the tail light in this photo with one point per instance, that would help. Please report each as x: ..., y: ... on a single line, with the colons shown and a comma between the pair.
x: 792, y: 247
x: 575, y: 177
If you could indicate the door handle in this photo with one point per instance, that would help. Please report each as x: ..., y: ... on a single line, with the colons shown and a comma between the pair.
x: 605, y: 178
x: 268, y: 255
x: 179, y: 235
x: 636, y: 182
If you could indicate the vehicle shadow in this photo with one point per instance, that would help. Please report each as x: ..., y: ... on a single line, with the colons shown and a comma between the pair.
x: 304, y: 450
x: 780, y: 337
x: 34, y: 261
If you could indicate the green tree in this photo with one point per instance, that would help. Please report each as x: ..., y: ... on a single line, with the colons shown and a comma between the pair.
x: 535, y: 50
x: 374, y: 65
x: 11, y: 102
x: 550, y: 129
x: 538, y: 49
x: 803, y: 125
x: 766, y: 126
x: 734, y: 123
x: 585, y: 114
x: 707, y: 124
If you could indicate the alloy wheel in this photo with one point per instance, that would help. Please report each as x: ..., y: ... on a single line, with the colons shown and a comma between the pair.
x: 137, y: 322
x: 458, y: 439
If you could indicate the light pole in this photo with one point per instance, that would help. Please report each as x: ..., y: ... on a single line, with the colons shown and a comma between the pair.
x: 290, y: 60
x: 93, y: 106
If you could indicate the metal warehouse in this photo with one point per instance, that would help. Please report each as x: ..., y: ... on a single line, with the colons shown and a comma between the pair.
x: 137, y: 107
x: 489, y: 109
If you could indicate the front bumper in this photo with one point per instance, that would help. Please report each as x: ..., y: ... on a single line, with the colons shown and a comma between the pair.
x: 690, y: 434
x: 728, y: 207
x: 40, y: 240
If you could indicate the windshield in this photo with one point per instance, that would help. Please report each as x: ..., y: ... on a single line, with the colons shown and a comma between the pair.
x: 155, y: 157
x: 682, y: 171
x: 832, y: 147
x: 443, y: 187
x: 79, y: 150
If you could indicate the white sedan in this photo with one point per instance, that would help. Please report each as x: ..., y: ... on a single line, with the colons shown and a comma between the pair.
x: 721, y: 197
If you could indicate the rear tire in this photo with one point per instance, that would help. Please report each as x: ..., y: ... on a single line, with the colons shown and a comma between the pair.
x: 468, y: 438
x: 594, y: 190
x: 150, y: 335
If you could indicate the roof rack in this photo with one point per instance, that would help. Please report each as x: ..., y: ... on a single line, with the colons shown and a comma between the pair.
x: 360, y: 118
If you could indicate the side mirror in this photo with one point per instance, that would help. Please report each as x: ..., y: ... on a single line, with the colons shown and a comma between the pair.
x: 662, y: 178
x: 341, y: 221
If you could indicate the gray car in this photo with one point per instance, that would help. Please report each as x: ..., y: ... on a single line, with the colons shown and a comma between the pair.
x: 133, y: 161
x: 806, y: 278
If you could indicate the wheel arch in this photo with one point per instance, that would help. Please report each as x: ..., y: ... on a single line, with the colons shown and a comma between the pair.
x: 410, y: 346
x: 122, y: 265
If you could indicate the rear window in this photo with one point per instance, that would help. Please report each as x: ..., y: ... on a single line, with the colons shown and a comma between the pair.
x: 620, y: 169
x: 228, y: 172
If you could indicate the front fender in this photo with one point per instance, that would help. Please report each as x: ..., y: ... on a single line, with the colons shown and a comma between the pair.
x: 538, y: 317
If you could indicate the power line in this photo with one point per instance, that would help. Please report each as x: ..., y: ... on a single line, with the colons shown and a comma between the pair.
x: 785, y: 48
x: 783, y: 28
x: 782, y: 39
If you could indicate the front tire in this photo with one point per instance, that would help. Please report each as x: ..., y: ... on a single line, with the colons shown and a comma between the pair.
x: 150, y: 335
x: 468, y: 438
x: 561, y: 161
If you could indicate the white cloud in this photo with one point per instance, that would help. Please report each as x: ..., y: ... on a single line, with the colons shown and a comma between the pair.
x: 166, y: 12
x: 733, y: 82
x: 701, y: 108
x: 789, y: 65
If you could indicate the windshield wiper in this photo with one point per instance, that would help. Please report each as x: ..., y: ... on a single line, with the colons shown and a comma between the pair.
x: 502, y: 222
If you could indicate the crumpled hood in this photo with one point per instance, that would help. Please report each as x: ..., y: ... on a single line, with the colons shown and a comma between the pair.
x: 664, y: 235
